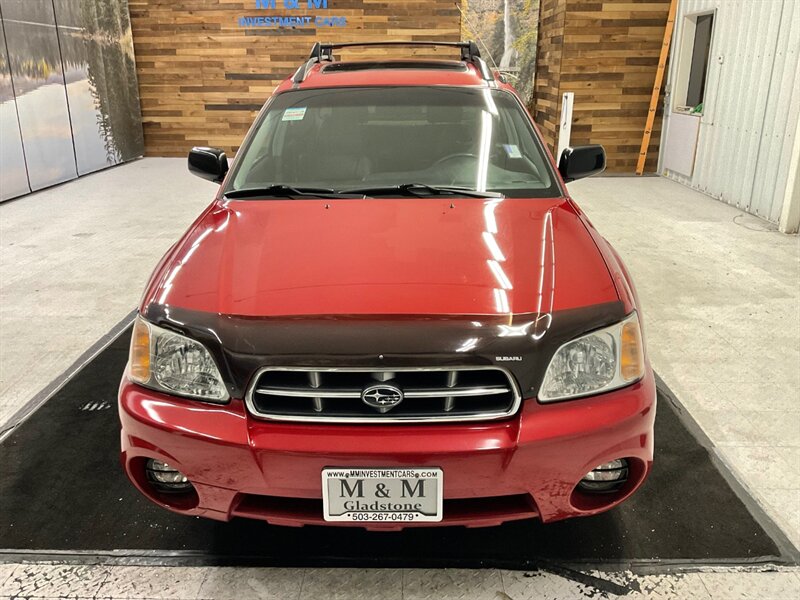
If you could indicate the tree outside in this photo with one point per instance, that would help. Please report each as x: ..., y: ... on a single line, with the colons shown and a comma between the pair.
x: 506, y: 32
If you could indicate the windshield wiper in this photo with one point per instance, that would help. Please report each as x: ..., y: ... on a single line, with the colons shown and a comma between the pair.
x: 421, y: 190
x: 288, y: 191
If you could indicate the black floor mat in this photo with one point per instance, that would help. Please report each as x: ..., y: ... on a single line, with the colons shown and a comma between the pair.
x: 62, y: 489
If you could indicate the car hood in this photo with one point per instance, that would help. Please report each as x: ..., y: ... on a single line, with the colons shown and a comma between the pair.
x: 272, y: 258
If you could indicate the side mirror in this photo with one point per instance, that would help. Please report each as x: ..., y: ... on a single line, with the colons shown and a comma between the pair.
x: 208, y: 163
x: 581, y: 161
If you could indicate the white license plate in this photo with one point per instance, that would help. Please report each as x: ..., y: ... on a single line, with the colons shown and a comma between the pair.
x: 382, y: 495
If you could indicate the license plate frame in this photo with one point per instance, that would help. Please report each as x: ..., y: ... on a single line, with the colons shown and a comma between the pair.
x: 368, y: 505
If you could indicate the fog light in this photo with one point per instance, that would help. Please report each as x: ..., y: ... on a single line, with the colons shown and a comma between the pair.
x: 607, y: 477
x: 165, y: 477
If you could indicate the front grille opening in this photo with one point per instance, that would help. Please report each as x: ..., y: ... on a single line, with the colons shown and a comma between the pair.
x: 453, y: 509
x: 311, y: 394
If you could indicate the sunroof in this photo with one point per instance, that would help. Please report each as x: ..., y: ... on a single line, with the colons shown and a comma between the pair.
x: 394, y: 64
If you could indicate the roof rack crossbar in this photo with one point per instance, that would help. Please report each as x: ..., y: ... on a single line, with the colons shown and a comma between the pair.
x: 324, y: 52
x: 468, y: 49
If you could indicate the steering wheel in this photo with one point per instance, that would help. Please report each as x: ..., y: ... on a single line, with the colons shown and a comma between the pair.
x: 459, y: 156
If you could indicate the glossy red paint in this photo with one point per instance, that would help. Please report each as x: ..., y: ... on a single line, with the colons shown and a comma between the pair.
x: 234, y: 459
x: 390, y: 257
x: 364, y: 257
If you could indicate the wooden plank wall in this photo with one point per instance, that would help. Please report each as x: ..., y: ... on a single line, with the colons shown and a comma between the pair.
x: 547, y: 94
x: 202, y: 78
x: 607, y: 52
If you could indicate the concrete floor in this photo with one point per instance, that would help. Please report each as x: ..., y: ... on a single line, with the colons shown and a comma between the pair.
x: 74, y: 260
x: 721, y: 297
x: 720, y: 292
x: 207, y: 583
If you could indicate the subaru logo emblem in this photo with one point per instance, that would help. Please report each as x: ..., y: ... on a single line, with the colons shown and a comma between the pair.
x: 382, y: 398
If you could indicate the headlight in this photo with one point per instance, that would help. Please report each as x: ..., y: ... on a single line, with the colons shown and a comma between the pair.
x: 597, y: 362
x: 167, y: 361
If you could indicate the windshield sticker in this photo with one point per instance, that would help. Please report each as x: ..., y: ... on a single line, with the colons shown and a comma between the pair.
x: 512, y: 150
x: 294, y: 114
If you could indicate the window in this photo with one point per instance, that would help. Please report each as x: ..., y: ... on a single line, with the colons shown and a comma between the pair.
x: 694, y: 54
x: 347, y: 138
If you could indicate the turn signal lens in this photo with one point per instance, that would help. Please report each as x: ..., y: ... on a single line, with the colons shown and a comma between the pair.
x: 140, y: 352
x: 631, y: 360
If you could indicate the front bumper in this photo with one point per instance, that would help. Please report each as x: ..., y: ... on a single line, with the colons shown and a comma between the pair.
x: 523, y: 467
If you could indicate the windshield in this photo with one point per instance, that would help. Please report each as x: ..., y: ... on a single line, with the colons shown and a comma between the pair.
x: 362, y: 138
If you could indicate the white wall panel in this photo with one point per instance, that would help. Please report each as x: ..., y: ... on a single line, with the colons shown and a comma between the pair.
x: 752, y: 102
x: 780, y: 119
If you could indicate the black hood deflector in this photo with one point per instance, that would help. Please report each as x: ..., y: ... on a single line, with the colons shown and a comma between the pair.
x: 522, y: 344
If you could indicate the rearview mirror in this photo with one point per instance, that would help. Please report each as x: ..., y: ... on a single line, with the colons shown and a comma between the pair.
x: 208, y: 163
x: 581, y: 161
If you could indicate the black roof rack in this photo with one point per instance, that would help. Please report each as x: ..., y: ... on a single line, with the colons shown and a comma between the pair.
x: 324, y: 52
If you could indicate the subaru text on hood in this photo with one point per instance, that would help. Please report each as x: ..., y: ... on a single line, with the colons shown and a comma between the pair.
x: 391, y: 315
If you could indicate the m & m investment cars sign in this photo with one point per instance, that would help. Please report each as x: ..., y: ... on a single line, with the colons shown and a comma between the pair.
x: 277, y: 21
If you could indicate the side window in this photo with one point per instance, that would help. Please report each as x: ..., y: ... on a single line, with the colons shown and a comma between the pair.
x: 695, y: 53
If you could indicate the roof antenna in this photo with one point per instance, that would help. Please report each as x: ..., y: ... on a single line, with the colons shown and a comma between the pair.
x: 476, y: 36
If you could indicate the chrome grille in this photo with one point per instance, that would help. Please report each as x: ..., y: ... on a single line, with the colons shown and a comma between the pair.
x: 442, y: 394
